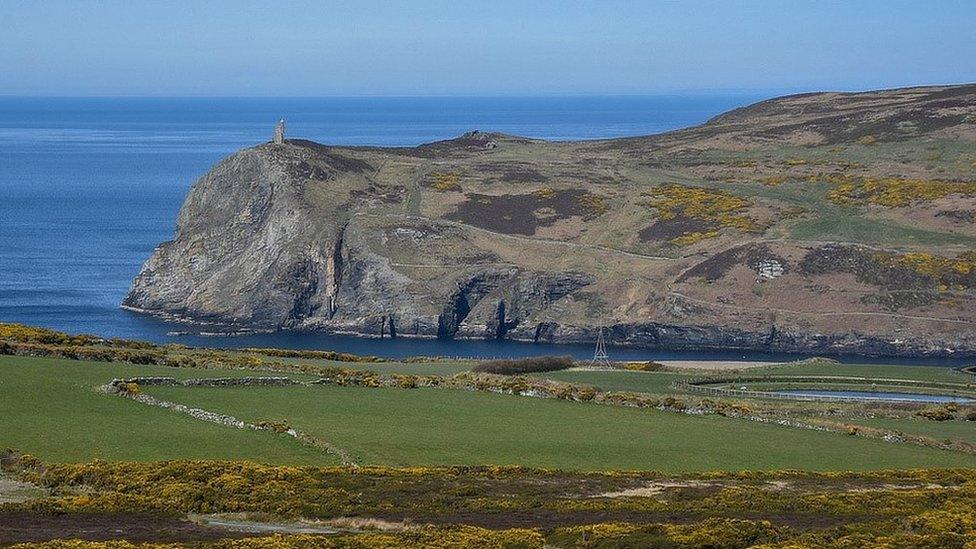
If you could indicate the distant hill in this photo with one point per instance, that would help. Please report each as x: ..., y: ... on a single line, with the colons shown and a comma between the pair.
x: 818, y: 223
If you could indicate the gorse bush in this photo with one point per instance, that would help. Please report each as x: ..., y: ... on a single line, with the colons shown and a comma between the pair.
x: 715, y: 208
x: 30, y: 334
x: 648, y: 366
x: 942, y: 413
x: 893, y: 192
x: 20, y: 340
x: 525, y: 365
x: 446, y: 181
x: 313, y: 355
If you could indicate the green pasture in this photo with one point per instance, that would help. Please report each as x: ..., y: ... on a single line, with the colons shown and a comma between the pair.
x: 441, y: 427
x: 49, y: 408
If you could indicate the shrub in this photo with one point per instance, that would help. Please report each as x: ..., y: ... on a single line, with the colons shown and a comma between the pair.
x: 649, y: 366
x: 674, y: 404
x: 893, y: 192
x: 936, y: 414
x: 594, y: 205
x: 276, y: 425
x: 446, y: 181
x: 971, y: 416
x: 525, y: 365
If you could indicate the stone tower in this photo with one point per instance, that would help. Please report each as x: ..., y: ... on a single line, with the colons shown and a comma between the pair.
x: 279, y: 136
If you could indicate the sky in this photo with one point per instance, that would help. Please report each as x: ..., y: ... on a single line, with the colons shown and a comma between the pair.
x: 483, y: 48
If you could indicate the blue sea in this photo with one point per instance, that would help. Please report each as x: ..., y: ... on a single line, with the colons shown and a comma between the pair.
x: 88, y: 187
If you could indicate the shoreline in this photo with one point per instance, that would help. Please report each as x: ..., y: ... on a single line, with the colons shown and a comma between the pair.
x: 580, y: 348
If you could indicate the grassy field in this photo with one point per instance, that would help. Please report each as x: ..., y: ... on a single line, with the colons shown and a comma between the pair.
x: 955, y: 430
x: 893, y: 371
x: 621, y: 380
x: 429, y: 426
x: 49, y: 408
x: 661, y: 382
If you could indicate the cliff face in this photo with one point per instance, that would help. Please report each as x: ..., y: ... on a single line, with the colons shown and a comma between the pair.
x: 817, y: 223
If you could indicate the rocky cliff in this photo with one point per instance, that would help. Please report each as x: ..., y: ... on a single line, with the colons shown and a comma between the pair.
x: 821, y: 223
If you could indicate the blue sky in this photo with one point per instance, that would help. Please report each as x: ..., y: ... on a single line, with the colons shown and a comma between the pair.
x: 486, y: 47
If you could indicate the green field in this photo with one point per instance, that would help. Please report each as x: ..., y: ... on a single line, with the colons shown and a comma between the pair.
x: 661, y: 382
x: 942, y: 430
x: 620, y: 380
x: 49, y: 408
x: 430, y: 426
x: 892, y: 371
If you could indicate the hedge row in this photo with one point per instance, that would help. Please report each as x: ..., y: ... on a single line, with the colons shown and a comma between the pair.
x: 525, y: 365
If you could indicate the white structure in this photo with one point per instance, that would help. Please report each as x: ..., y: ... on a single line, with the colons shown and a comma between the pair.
x: 769, y: 269
x: 279, y: 137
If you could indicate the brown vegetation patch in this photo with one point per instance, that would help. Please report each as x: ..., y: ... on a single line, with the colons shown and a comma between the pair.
x: 959, y: 216
x: 31, y: 527
x: 717, y: 266
x: 666, y: 230
x: 304, y: 170
x: 328, y: 159
x: 523, y: 213
x: 523, y: 175
x: 471, y: 142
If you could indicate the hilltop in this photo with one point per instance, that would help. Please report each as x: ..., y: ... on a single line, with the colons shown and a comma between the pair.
x: 818, y: 223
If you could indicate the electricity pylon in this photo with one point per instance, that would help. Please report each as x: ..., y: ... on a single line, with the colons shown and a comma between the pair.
x: 600, y: 357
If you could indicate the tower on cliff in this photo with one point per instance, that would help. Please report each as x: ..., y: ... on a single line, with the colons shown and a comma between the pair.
x: 279, y: 137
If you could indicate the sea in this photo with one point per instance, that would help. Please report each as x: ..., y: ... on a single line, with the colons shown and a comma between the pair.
x: 89, y: 186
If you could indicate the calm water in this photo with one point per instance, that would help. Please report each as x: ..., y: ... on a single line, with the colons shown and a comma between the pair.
x: 88, y: 187
x: 877, y: 395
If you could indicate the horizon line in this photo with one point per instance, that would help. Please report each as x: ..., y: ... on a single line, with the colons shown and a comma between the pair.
x: 784, y: 91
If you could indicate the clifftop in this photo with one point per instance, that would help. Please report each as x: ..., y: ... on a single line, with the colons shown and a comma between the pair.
x: 815, y: 223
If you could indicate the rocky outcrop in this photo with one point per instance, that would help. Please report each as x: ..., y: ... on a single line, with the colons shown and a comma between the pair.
x: 252, y: 249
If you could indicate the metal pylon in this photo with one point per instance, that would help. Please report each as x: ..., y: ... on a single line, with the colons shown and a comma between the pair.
x: 600, y: 357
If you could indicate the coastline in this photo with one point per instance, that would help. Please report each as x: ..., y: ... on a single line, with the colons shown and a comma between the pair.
x: 627, y: 337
